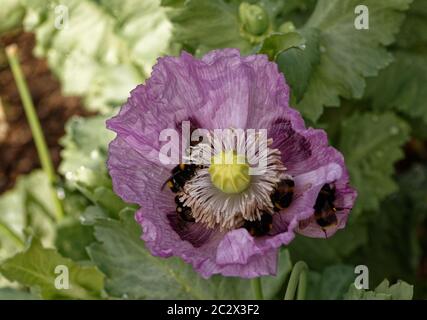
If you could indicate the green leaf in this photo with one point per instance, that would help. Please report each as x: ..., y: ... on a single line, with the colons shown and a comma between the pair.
x: 84, y: 162
x: 73, y: 202
x: 359, y: 294
x: 393, y: 246
x: 331, y: 284
x: 72, y: 238
x: 92, y: 214
x: 414, y: 30
x: 106, y: 48
x: 204, y: 25
x: 321, y: 253
x: 371, y: 145
x: 35, y: 267
x: 15, y: 294
x: 26, y: 209
x: 298, y: 64
x: 11, y: 15
x: 121, y: 255
x: 132, y: 272
x: 85, y: 150
x: 84, y: 157
x: 349, y: 55
x: 107, y: 199
x: 398, y: 291
x: 297, y: 12
x: 402, y: 86
x: 277, y: 43
x: 12, y: 222
x: 171, y: 3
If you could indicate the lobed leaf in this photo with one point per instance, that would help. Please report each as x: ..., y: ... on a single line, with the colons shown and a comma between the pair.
x: 398, y: 291
x: 26, y: 209
x: 393, y: 246
x: 99, y: 49
x: 84, y: 161
x: 277, y: 43
x: 331, y: 284
x: 371, y: 144
x: 16, y: 294
x: 204, y: 25
x: 298, y: 63
x: 11, y: 15
x: 133, y: 273
x: 35, y: 267
x: 348, y: 55
x: 403, y: 85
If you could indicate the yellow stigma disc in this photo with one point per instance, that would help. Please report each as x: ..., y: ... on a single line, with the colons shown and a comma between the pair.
x: 230, y: 172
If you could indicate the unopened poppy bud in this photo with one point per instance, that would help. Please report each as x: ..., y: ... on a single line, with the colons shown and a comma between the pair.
x: 254, y: 18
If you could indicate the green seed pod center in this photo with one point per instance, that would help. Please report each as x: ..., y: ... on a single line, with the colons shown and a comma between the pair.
x: 230, y: 172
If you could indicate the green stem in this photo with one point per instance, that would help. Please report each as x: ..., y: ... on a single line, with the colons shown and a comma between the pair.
x: 302, y: 285
x: 39, y: 139
x: 257, y: 288
x: 298, y: 279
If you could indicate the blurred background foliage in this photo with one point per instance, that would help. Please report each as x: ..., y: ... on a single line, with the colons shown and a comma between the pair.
x: 366, y: 88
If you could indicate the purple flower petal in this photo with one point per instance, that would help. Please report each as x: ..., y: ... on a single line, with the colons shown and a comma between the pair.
x: 220, y: 91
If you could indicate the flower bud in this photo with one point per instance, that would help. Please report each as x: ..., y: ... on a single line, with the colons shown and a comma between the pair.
x: 253, y: 18
x: 287, y: 27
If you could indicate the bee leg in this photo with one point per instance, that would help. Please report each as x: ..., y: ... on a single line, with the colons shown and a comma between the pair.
x: 324, y: 231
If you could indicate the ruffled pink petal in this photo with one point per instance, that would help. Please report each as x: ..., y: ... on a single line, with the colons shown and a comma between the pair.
x: 222, y: 90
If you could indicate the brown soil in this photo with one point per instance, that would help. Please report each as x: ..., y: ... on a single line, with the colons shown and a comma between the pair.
x: 18, y: 154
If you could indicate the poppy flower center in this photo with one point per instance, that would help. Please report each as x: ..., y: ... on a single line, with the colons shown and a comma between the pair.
x: 231, y: 189
x: 229, y: 172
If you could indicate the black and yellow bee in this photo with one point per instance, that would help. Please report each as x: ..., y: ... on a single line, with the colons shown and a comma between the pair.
x: 283, y: 195
x: 183, y: 211
x: 261, y: 227
x: 324, y: 208
x: 180, y: 175
x: 325, y: 211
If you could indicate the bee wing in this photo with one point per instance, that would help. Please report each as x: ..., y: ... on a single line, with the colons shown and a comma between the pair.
x: 165, y: 183
x: 306, y: 222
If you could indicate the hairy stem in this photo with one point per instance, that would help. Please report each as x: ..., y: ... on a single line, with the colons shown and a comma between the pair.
x: 39, y: 139
x: 257, y: 288
x: 298, y: 280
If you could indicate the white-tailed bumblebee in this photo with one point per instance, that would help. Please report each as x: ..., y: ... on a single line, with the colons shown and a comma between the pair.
x: 261, y: 227
x: 180, y: 175
x: 183, y: 211
x: 283, y: 195
x: 324, y: 208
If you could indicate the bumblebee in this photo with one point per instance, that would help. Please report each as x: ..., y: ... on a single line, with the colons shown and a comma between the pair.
x: 183, y: 212
x: 324, y: 209
x: 283, y: 195
x: 180, y: 175
x: 261, y: 227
